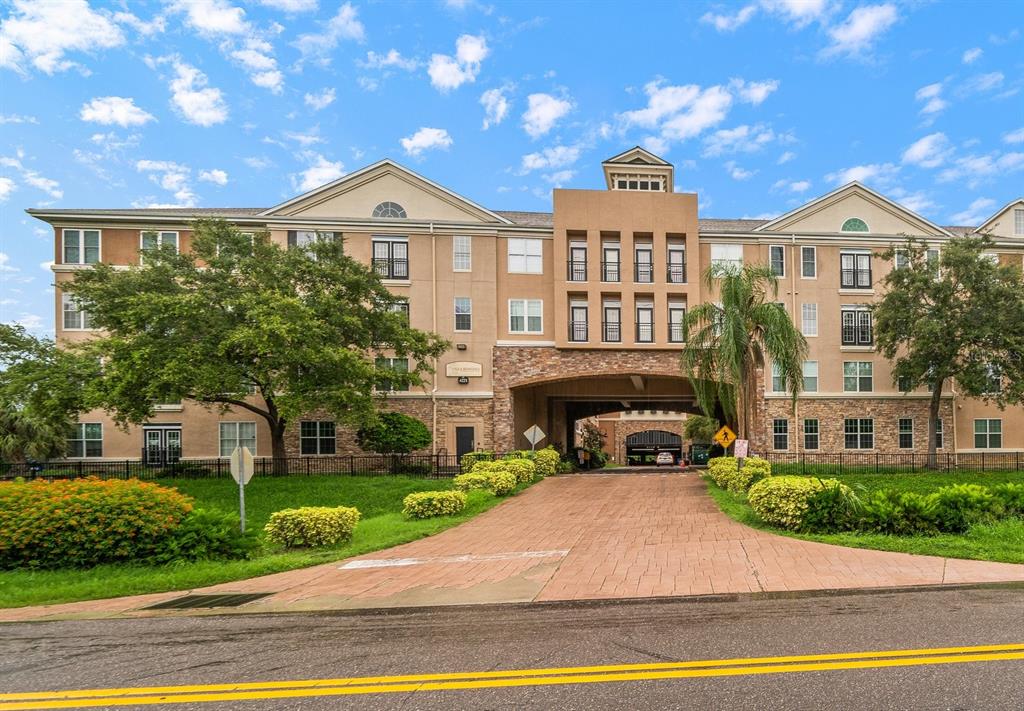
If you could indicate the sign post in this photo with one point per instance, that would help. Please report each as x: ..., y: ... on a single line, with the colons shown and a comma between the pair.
x: 534, y: 435
x: 740, y: 451
x: 241, y: 471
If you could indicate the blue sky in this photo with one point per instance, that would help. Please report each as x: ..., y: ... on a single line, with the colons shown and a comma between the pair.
x: 761, y: 105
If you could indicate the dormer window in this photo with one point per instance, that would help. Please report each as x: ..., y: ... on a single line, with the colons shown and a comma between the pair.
x: 854, y: 224
x: 639, y: 182
x: 389, y: 209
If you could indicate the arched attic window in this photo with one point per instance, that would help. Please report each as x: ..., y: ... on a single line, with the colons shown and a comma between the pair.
x: 855, y: 224
x: 389, y: 209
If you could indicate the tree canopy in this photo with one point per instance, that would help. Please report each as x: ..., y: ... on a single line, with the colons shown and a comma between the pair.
x: 394, y: 433
x: 700, y: 429
x: 727, y: 342
x: 958, y: 318
x: 238, y: 321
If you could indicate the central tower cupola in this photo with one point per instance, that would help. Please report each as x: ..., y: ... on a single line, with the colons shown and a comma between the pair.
x: 639, y: 170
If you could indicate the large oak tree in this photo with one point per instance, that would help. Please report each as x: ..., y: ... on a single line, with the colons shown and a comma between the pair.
x: 958, y: 318
x: 238, y: 321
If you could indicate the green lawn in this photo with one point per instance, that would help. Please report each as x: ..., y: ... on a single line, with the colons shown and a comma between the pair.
x: 378, y: 498
x: 1002, y: 541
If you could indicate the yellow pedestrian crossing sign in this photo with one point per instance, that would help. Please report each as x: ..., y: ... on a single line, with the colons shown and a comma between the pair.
x: 725, y: 437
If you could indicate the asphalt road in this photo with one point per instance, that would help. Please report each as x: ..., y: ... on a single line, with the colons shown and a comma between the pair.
x: 230, y: 649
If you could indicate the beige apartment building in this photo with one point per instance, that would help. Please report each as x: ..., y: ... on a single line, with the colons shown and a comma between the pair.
x: 571, y: 314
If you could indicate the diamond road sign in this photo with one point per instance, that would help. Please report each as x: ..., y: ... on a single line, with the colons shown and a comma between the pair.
x: 725, y: 437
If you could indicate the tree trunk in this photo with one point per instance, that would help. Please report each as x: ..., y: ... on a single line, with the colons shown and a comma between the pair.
x: 277, y: 449
x: 933, y: 418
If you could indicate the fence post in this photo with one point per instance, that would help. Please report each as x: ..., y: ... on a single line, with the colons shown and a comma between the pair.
x: 982, y: 461
x: 127, y: 469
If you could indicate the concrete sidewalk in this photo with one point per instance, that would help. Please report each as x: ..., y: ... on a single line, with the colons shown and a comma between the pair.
x: 576, y: 538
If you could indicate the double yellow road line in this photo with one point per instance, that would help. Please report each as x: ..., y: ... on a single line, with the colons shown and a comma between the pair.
x: 351, y: 686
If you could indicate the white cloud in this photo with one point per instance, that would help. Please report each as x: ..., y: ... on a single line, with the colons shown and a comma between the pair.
x: 793, y: 186
x: 172, y: 177
x: 975, y: 213
x: 978, y: 169
x: 786, y: 157
x: 928, y: 152
x: 345, y: 25
x: 495, y: 105
x: 730, y: 23
x: 368, y: 84
x: 309, y: 138
x: 46, y: 266
x: 291, y: 5
x: 543, y: 112
x: 1014, y: 136
x: 857, y: 34
x: 215, y: 176
x: 447, y: 73
x: 5, y: 266
x: 798, y: 13
x: 195, y: 101
x: 320, y: 100
x: 878, y: 174
x: 393, y: 59
x: 31, y: 322
x: 550, y: 159
x: 17, y: 118
x: 931, y: 95
x: 31, y: 177
x: 257, y: 162
x: 742, y: 139
x: 972, y: 55
x: 426, y: 139
x: 320, y: 171
x: 256, y: 56
x: 754, y: 92
x: 917, y: 202
x: 559, y: 178
x: 656, y: 145
x: 738, y: 173
x: 212, y: 17
x: 981, y: 83
x: 7, y: 187
x: 114, y: 109
x: 41, y: 33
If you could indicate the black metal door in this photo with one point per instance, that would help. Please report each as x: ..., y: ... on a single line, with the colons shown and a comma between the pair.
x: 464, y: 437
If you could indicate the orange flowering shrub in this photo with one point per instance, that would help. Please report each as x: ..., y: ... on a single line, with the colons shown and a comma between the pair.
x: 84, y: 522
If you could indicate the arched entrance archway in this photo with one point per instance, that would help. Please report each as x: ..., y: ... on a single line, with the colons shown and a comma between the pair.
x: 643, y: 447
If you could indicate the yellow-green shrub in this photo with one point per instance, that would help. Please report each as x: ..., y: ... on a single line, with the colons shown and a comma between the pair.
x: 725, y: 472
x: 546, y: 461
x: 471, y: 458
x: 722, y: 470
x: 470, y: 481
x: 426, y: 504
x: 783, y: 500
x: 312, y: 526
x: 501, y: 482
x: 522, y: 469
x: 84, y: 522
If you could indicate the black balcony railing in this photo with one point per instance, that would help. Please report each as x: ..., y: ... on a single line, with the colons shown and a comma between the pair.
x: 676, y: 333
x: 611, y: 332
x: 610, y: 271
x: 643, y: 273
x: 578, y: 331
x: 576, y: 270
x: 391, y: 268
x: 645, y: 333
x: 677, y: 273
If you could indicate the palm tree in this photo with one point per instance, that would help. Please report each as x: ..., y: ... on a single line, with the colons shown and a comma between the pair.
x: 729, y: 341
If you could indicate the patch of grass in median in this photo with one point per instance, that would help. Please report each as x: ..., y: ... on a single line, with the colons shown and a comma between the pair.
x: 1002, y: 541
x: 379, y: 499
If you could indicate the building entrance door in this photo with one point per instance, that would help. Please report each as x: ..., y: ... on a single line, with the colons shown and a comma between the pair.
x: 464, y: 440
x: 161, y: 444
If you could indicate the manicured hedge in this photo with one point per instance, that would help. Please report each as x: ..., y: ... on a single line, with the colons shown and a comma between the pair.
x: 546, y: 461
x: 784, y: 500
x: 726, y: 472
x: 427, y: 504
x: 310, y: 526
x: 471, y: 481
x: 85, y: 522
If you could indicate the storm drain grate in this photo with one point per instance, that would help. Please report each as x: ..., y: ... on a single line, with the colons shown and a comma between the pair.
x: 190, y: 602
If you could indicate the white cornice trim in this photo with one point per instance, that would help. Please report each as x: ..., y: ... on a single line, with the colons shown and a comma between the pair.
x: 518, y: 344
x: 855, y: 396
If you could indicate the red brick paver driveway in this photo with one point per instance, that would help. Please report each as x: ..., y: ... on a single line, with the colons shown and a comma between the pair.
x: 581, y: 537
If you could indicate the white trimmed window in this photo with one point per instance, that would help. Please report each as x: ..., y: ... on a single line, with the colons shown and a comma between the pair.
x: 525, y: 256
x: 777, y: 259
x: 86, y: 440
x: 463, y: 313
x: 859, y: 433
x: 237, y: 434
x: 81, y: 246
x: 938, y: 434
x: 906, y: 433
x: 988, y: 434
x: 462, y: 253
x: 808, y: 262
x: 809, y: 319
x: 780, y: 434
x: 158, y: 240
x: 395, y: 365
x: 812, y: 433
x: 1018, y: 222
x: 810, y: 371
x: 728, y: 255
x: 525, y: 316
x: 778, y: 382
x: 75, y: 319
x: 317, y: 437
x: 858, y: 376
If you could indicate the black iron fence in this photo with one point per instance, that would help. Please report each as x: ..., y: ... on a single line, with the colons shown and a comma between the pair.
x: 825, y: 463
x: 423, y: 465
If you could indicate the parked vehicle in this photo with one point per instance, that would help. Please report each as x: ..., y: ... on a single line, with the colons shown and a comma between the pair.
x: 664, y: 458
